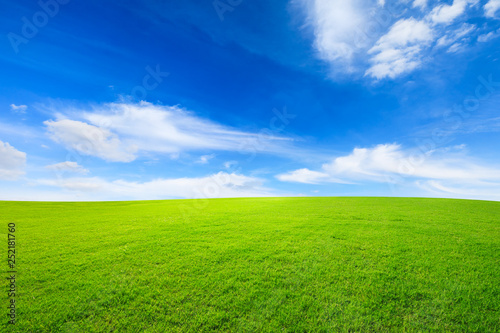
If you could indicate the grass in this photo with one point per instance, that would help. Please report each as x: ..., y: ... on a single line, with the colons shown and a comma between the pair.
x: 256, y: 265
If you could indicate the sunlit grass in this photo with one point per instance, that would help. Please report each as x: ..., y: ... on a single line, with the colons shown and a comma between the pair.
x: 261, y: 265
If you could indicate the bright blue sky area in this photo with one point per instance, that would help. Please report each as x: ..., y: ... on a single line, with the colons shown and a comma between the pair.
x: 384, y: 98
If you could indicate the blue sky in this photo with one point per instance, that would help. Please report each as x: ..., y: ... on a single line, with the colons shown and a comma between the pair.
x: 237, y: 98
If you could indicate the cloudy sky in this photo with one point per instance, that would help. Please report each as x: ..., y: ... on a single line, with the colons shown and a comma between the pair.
x: 162, y: 99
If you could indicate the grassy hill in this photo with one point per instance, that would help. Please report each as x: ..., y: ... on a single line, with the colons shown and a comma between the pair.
x: 261, y: 265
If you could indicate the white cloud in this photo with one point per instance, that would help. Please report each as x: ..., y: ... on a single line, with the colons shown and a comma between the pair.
x: 458, y: 34
x: 230, y: 164
x: 220, y: 185
x: 67, y: 167
x: 389, y: 163
x: 491, y: 8
x: 19, y: 108
x: 422, y: 4
x: 398, y: 51
x: 403, y: 33
x: 305, y: 176
x: 90, y: 140
x: 338, y: 28
x: 205, y: 158
x: 12, y: 162
x: 456, y: 47
x: 489, y: 36
x: 446, y: 14
x: 384, y: 39
x: 93, y: 184
x: 117, y: 131
x: 488, y: 191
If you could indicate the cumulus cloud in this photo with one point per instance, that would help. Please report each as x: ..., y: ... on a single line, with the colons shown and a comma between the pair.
x: 491, y: 8
x: 12, y: 162
x: 67, y: 167
x: 90, y: 140
x: 391, y: 163
x: 446, y: 14
x: 384, y: 39
x: 19, y: 108
x: 120, y: 131
x: 220, y: 185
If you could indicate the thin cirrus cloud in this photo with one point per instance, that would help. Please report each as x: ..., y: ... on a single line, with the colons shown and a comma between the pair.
x: 204, y: 159
x: 118, y: 132
x: 390, y: 163
x: 488, y: 191
x: 489, y: 36
x: 12, y: 162
x: 388, y: 39
x: 19, y: 108
x: 67, y: 166
x: 307, y: 176
x: 220, y: 185
x: 456, y: 37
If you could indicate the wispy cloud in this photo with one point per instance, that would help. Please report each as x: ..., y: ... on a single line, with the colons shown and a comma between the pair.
x: 388, y: 163
x: 90, y: 140
x: 120, y: 131
x: 305, y: 176
x: 489, y: 36
x: 398, y: 51
x: 20, y: 131
x: 488, y: 191
x: 220, y: 185
x: 12, y: 162
x: 456, y: 37
x: 204, y: 159
x: 19, y: 108
x: 67, y: 167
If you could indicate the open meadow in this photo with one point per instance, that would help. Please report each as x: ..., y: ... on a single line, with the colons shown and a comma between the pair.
x: 256, y: 265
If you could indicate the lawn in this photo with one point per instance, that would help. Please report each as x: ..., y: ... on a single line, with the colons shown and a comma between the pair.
x: 255, y: 265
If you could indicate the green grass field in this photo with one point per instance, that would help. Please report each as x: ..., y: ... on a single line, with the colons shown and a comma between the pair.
x: 256, y: 265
